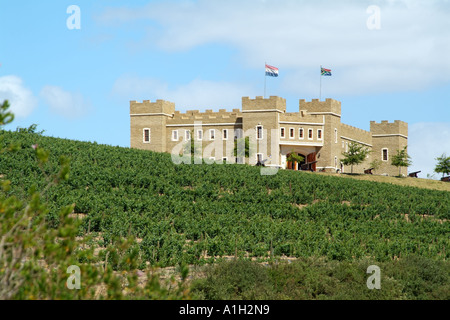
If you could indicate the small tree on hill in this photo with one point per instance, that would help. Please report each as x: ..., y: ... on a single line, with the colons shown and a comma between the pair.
x: 443, y: 165
x: 190, y: 149
x: 401, y: 159
x: 356, y: 154
x: 375, y: 164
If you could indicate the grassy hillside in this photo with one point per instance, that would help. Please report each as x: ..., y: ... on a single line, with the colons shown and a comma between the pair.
x: 411, y: 182
x: 192, y: 213
x: 326, y: 229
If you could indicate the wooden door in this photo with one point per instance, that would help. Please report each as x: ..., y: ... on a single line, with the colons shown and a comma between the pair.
x: 311, y: 158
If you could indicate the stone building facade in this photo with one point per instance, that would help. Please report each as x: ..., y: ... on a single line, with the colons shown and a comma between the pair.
x: 315, y: 132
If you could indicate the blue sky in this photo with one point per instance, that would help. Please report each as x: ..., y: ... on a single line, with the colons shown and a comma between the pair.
x: 77, y: 84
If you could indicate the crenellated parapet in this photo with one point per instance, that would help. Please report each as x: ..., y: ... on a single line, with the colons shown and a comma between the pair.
x: 301, y: 117
x: 208, y: 114
x: 273, y: 103
x: 389, y: 128
x: 148, y: 107
x: 315, y: 106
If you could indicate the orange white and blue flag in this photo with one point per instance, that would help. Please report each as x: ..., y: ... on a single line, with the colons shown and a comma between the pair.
x: 271, y: 71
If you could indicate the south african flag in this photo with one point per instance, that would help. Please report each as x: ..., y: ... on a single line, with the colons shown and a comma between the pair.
x: 325, y: 72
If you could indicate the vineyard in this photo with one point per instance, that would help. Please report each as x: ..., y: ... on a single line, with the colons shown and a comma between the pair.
x: 199, y: 213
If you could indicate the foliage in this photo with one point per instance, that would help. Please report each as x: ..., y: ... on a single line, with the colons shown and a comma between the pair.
x: 233, y: 280
x: 190, y: 149
x: 193, y: 213
x: 356, y: 154
x: 141, y: 209
x: 30, y: 129
x: 443, y: 164
x: 401, y: 159
x: 242, y: 147
x: 312, y: 278
x: 38, y: 240
x: 294, y: 157
x: 375, y: 164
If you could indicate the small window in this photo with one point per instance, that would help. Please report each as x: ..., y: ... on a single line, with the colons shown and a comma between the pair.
x: 175, y: 135
x: 225, y: 134
x: 146, y: 135
x: 187, y: 135
x: 310, y: 133
x: 282, y: 132
x: 259, y: 132
x: 212, y: 134
x: 225, y: 159
x: 319, y: 134
x: 300, y: 133
x: 335, y: 136
x: 291, y: 133
x: 259, y: 157
x: 200, y: 134
x: 384, y: 154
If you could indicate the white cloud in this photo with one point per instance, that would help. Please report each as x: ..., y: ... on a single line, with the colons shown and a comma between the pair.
x: 198, y: 94
x: 20, y: 98
x: 409, y: 52
x: 426, y: 142
x: 67, y: 104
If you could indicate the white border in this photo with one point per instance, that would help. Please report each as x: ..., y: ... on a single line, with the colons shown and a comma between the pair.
x: 223, y: 135
x: 173, y: 135
x: 262, y: 132
x: 149, y: 135
x: 387, y: 154
x: 293, y: 130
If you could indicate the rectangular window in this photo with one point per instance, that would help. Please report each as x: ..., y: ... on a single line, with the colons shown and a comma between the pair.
x: 300, y: 133
x: 384, y: 154
x: 212, y: 134
x: 225, y: 134
x: 200, y: 134
x: 310, y: 134
x: 259, y: 157
x: 319, y: 134
x: 282, y: 132
x: 224, y: 159
x: 187, y: 135
x: 146, y: 135
x: 174, y: 135
x: 335, y: 136
x: 259, y: 132
x: 291, y: 133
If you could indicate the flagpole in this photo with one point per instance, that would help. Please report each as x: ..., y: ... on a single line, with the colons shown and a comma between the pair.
x: 320, y: 92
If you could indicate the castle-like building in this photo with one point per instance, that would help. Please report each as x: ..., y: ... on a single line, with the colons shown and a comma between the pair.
x: 315, y: 132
